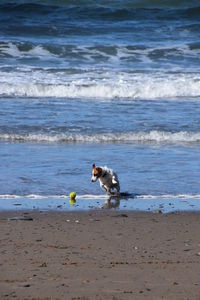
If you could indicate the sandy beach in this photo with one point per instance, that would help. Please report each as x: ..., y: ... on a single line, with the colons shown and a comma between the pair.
x: 99, y: 255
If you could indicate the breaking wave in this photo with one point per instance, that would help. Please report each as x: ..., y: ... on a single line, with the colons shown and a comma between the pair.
x: 14, y: 50
x: 135, y: 87
x: 99, y: 53
x: 129, y: 137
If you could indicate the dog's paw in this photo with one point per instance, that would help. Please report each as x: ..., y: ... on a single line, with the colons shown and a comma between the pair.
x: 114, y: 181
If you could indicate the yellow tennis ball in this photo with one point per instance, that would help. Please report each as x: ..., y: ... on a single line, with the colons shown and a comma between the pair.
x: 72, y: 196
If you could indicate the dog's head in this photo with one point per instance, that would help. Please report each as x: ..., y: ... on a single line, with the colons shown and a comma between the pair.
x: 96, y: 173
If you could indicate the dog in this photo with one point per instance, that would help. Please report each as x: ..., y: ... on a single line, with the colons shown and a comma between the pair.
x: 108, y: 179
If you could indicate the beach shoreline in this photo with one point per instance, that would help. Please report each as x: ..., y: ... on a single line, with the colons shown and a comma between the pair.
x: 137, y: 203
x: 100, y: 254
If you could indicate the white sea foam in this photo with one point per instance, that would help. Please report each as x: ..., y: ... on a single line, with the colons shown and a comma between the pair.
x: 31, y: 196
x: 40, y: 197
x: 130, y: 137
x: 10, y: 49
x: 100, y: 86
x: 169, y: 196
x: 39, y: 51
x: 115, y: 53
x: 14, y: 51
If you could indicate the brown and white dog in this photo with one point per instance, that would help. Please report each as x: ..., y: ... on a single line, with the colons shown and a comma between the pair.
x: 108, y: 179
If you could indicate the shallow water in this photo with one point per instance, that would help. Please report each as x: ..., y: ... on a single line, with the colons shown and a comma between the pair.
x: 28, y: 169
x: 144, y: 203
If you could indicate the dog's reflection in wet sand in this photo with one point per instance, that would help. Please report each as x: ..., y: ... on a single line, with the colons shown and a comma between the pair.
x: 111, y: 202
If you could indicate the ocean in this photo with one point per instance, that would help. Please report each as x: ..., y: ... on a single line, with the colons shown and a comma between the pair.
x: 115, y: 83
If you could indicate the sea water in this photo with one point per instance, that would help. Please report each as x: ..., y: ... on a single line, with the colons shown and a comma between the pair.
x: 115, y: 83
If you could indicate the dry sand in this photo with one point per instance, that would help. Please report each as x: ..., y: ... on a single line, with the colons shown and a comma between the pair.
x: 100, y: 255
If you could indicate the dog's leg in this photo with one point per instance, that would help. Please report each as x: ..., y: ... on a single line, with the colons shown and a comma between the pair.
x: 114, y: 180
x: 117, y: 188
x: 109, y: 193
x: 104, y: 187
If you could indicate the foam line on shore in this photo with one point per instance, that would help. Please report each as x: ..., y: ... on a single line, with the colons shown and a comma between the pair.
x: 153, y: 136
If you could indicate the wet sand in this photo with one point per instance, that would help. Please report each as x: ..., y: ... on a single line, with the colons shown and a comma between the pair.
x: 99, y: 255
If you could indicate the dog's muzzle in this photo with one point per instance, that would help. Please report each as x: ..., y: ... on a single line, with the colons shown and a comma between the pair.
x: 94, y: 179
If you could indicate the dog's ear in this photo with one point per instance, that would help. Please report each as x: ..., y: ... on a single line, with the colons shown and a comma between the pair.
x: 93, y: 166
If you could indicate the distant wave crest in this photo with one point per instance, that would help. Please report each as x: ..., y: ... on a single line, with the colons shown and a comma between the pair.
x: 130, y: 137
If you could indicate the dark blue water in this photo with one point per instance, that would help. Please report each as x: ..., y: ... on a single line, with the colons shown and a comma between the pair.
x: 111, y: 82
